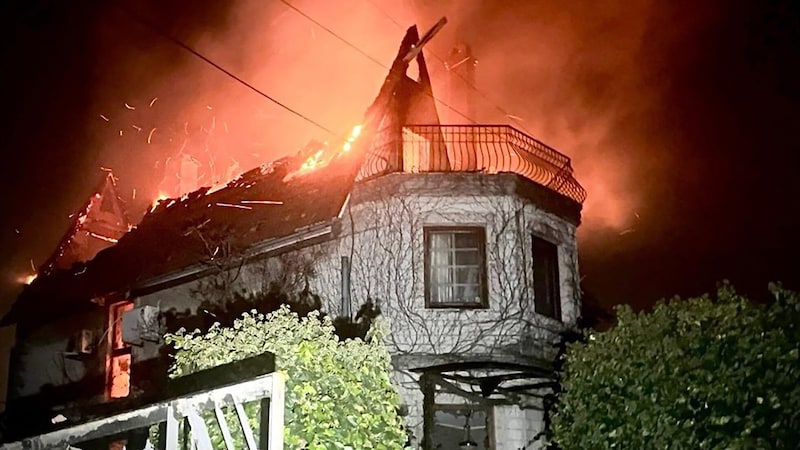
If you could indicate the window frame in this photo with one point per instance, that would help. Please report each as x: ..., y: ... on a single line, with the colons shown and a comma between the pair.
x: 482, y: 272
x: 556, y: 304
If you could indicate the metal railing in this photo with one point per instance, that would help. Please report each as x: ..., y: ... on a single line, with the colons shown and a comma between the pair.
x: 186, y: 420
x: 472, y: 148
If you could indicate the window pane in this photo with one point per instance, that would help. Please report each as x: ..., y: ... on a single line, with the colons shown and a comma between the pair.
x: 441, y: 240
x: 467, y: 294
x: 467, y: 257
x: 466, y: 240
x: 441, y: 258
x: 467, y: 275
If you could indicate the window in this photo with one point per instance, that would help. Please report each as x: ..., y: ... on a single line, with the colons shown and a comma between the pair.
x: 547, y: 296
x: 455, y: 267
x: 118, y: 364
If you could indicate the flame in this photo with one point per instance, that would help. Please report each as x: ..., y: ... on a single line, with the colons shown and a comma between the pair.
x: 161, y: 196
x: 313, y: 161
x: 28, y: 279
x: 352, y: 138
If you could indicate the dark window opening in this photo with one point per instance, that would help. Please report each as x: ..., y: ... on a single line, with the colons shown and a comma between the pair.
x: 546, y: 289
x: 461, y: 426
x: 455, y: 267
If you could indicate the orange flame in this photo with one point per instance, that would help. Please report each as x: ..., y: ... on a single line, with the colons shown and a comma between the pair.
x: 28, y: 279
x: 161, y: 196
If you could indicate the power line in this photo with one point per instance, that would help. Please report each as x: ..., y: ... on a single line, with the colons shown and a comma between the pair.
x: 365, y: 54
x: 199, y: 55
x: 341, y: 39
x: 465, y: 80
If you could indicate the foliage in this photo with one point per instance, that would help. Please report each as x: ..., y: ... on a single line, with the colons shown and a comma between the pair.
x: 338, y: 393
x: 690, y: 374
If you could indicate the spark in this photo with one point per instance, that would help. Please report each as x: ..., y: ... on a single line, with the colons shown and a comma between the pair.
x: 129, y: 107
x: 153, y: 101
x: 356, y: 131
x: 262, y: 202
x: 209, y: 107
x: 449, y: 67
x: 103, y: 238
x: 624, y: 232
x: 229, y: 205
x: 346, y: 146
x: 513, y: 117
x: 137, y: 128
x: 150, y: 136
x: 120, y: 132
x: 104, y: 169
x: 134, y: 194
x: 33, y: 266
x: 104, y: 118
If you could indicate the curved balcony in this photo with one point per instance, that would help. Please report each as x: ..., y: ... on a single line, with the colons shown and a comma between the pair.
x: 471, y: 148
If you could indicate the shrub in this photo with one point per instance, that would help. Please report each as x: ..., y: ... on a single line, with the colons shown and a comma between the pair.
x: 690, y: 374
x: 338, y: 393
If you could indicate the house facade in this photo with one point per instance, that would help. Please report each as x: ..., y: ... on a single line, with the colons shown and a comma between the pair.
x: 464, y: 236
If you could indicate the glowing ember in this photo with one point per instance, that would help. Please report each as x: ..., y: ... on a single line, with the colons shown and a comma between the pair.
x: 103, y: 238
x: 262, y: 202
x: 28, y: 279
x: 230, y: 205
x: 161, y: 196
x: 313, y: 161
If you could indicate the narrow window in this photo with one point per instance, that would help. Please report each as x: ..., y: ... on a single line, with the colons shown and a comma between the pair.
x: 118, y: 364
x: 455, y: 267
x: 547, y: 296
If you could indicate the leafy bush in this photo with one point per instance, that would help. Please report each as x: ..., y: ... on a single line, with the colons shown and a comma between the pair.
x: 690, y: 374
x: 338, y: 393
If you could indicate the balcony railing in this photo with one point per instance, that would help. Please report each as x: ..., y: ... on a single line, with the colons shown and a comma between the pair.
x: 472, y: 148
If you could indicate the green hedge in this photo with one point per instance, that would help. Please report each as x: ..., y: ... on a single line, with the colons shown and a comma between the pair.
x: 692, y: 374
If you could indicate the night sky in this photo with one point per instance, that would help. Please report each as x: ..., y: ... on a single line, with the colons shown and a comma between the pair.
x: 681, y: 117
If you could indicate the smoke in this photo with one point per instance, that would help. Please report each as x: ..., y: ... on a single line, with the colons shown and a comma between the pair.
x: 575, y: 74
x: 583, y: 77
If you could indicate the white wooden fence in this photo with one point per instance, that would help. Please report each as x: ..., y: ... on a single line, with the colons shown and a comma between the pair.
x: 188, y: 409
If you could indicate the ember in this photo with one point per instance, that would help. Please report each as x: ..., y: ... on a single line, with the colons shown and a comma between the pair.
x: 28, y: 279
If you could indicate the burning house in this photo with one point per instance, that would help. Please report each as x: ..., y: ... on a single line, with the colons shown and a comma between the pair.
x: 464, y: 236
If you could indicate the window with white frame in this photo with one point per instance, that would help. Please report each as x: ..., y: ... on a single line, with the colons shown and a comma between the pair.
x: 455, y: 267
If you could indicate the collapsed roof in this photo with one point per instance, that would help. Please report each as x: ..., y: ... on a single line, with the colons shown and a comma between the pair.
x: 267, y: 203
